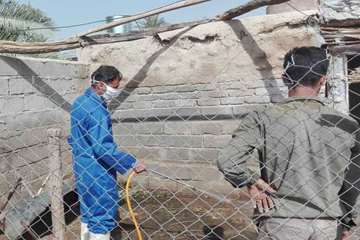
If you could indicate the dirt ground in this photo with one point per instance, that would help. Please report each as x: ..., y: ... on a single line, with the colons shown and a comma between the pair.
x: 182, y: 216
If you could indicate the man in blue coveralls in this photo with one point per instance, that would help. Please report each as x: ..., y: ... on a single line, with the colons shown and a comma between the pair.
x: 96, y: 157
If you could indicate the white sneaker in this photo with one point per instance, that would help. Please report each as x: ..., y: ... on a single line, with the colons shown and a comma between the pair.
x: 85, y: 234
x: 95, y: 236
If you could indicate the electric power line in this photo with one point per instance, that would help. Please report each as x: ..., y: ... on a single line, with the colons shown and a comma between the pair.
x: 71, y: 26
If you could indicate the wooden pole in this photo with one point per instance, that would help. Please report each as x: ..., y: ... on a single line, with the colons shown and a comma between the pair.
x: 167, y: 8
x: 55, y: 187
x: 252, y: 5
x: 37, y: 47
x: 346, y: 49
x: 82, y: 40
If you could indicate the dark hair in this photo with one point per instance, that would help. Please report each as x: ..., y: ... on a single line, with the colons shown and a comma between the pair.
x: 105, y: 74
x: 305, y: 65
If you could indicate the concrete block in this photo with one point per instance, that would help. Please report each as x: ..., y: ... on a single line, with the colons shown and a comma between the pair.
x: 4, y: 163
x: 70, y: 97
x: 145, y: 153
x: 13, y: 104
x: 148, y: 140
x: 257, y: 99
x: 127, y: 140
x: 143, y: 90
x: 169, y: 96
x: 19, y: 85
x: 29, y: 137
x: 223, y: 110
x: 125, y: 105
x: 154, y: 128
x: 262, y: 91
x: 204, y: 155
x: 242, y: 110
x: 181, y: 141
x: 163, y: 89
x: 205, y: 87
x: 215, y: 94
x: 164, y: 112
x: 178, y: 128
x: 120, y: 129
x: 62, y: 85
x: 187, y: 112
x: 186, y: 88
x: 33, y: 172
x: 232, y: 101
x: 277, y: 98
x: 4, y: 86
x: 236, y: 85
x: 240, y: 93
x: 132, y: 98
x: 190, y: 95
x: 230, y: 126
x: 29, y: 155
x: 149, y: 97
x: 35, y: 102
x: 142, y: 105
x: 164, y: 104
x: 177, y: 154
x: 3, y: 102
x: 185, y: 103
x: 206, y: 127
x: 208, y: 102
x: 211, y: 141
x: 258, y: 83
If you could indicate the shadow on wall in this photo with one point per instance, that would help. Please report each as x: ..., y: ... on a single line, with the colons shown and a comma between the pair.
x: 142, y: 73
x: 35, y: 80
x: 259, y: 59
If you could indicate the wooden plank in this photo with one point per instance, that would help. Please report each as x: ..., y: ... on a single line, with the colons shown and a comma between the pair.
x: 350, y: 49
x: 342, y: 23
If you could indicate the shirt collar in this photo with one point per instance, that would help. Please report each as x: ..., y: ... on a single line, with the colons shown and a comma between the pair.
x: 92, y: 94
x: 303, y: 99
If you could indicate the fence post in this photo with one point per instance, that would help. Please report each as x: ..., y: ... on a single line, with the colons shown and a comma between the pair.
x: 339, y: 87
x: 55, y: 187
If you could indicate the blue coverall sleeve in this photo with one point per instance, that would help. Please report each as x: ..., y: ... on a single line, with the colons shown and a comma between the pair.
x: 104, y: 147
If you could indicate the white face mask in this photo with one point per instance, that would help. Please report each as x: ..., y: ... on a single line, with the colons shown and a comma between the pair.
x: 110, y: 93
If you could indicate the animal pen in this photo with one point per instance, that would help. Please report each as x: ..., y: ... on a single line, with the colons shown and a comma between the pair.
x: 187, y: 87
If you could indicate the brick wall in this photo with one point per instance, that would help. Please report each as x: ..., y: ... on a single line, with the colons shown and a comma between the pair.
x: 184, y: 94
x: 34, y: 96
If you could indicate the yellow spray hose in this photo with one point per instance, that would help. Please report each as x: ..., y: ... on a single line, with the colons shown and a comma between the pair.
x: 128, y: 201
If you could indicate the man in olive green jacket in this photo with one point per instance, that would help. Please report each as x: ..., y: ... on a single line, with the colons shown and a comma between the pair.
x: 299, y: 159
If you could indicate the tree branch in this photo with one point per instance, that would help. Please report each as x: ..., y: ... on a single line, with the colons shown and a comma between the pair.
x: 252, y: 5
x: 72, y: 43
x: 167, y: 8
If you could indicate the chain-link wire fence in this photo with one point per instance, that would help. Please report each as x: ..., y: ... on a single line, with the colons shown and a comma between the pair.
x: 302, y: 148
